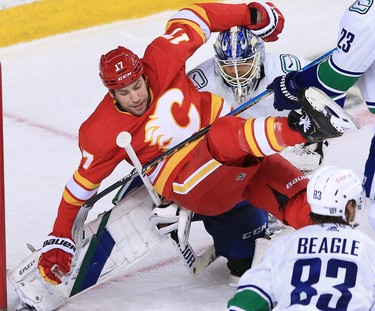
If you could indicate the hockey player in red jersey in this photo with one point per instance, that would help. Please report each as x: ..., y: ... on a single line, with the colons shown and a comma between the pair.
x: 154, y: 100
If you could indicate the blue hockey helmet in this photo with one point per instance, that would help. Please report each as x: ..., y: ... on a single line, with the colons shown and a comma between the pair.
x: 239, y: 56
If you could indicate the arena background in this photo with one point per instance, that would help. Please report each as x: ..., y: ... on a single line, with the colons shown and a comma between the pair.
x: 29, y: 21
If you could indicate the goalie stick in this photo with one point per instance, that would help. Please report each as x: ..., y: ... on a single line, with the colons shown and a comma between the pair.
x: 195, y: 264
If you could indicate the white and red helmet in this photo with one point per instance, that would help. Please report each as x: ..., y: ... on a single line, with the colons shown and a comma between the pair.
x: 119, y: 68
x: 330, y: 189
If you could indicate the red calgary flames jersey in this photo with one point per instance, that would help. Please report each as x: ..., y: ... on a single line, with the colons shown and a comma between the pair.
x: 176, y: 112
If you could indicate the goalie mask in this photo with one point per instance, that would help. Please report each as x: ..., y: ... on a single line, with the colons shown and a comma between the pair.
x: 239, y: 56
x: 119, y: 68
x: 330, y: 189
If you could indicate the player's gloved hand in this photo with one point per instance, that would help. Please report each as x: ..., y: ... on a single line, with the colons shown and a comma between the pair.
x: 271, y: 22
x: 56, y: 257
x: 286, y: 90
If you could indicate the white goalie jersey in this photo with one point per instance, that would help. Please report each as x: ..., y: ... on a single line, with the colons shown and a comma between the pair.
x: 205, y: 78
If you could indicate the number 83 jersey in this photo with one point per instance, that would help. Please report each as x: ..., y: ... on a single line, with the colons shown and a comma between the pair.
x: 318, y: 267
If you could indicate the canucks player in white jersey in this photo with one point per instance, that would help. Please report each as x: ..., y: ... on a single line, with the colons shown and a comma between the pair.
x: 241, y: 70
x: 325, y: 266
x: 353, y: 61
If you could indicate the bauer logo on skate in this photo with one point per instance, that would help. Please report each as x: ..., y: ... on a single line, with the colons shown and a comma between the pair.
x: 294, y: 181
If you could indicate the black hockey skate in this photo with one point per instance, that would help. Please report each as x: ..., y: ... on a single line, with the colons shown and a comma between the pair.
x: 320, y: 117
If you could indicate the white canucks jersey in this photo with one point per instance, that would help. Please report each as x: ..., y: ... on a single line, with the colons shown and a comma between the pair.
x: 356, y: 47
x: 355, y: 56
x: 328, y: 267
x: 205, y: 78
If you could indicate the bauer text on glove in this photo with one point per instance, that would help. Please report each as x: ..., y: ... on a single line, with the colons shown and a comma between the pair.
x: 56, y: 257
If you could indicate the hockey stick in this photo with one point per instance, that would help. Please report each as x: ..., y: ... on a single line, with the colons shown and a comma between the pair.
x: 195, y: 264
x: 77, y: 230
x: 90, y: 203
x: 124, y: 141
x: 234, y: 112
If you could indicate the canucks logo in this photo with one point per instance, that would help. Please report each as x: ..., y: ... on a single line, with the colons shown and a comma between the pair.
x: 198, y: 78
x: 361, y: 6
x: 289, y: 63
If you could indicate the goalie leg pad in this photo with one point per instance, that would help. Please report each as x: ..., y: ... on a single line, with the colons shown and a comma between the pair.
x: 262, y: 244
x: 304, y: 159
x: 110, y: 243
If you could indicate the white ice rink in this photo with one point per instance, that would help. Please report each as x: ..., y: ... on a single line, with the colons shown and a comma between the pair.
x: 50, y: 86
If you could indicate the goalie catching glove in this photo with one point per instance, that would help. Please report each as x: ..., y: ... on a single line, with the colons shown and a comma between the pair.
x: 56, y: 257
x: 172, y: 217
x: 266, y: 21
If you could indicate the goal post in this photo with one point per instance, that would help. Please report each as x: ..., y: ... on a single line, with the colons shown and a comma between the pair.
x: 3, y: 277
